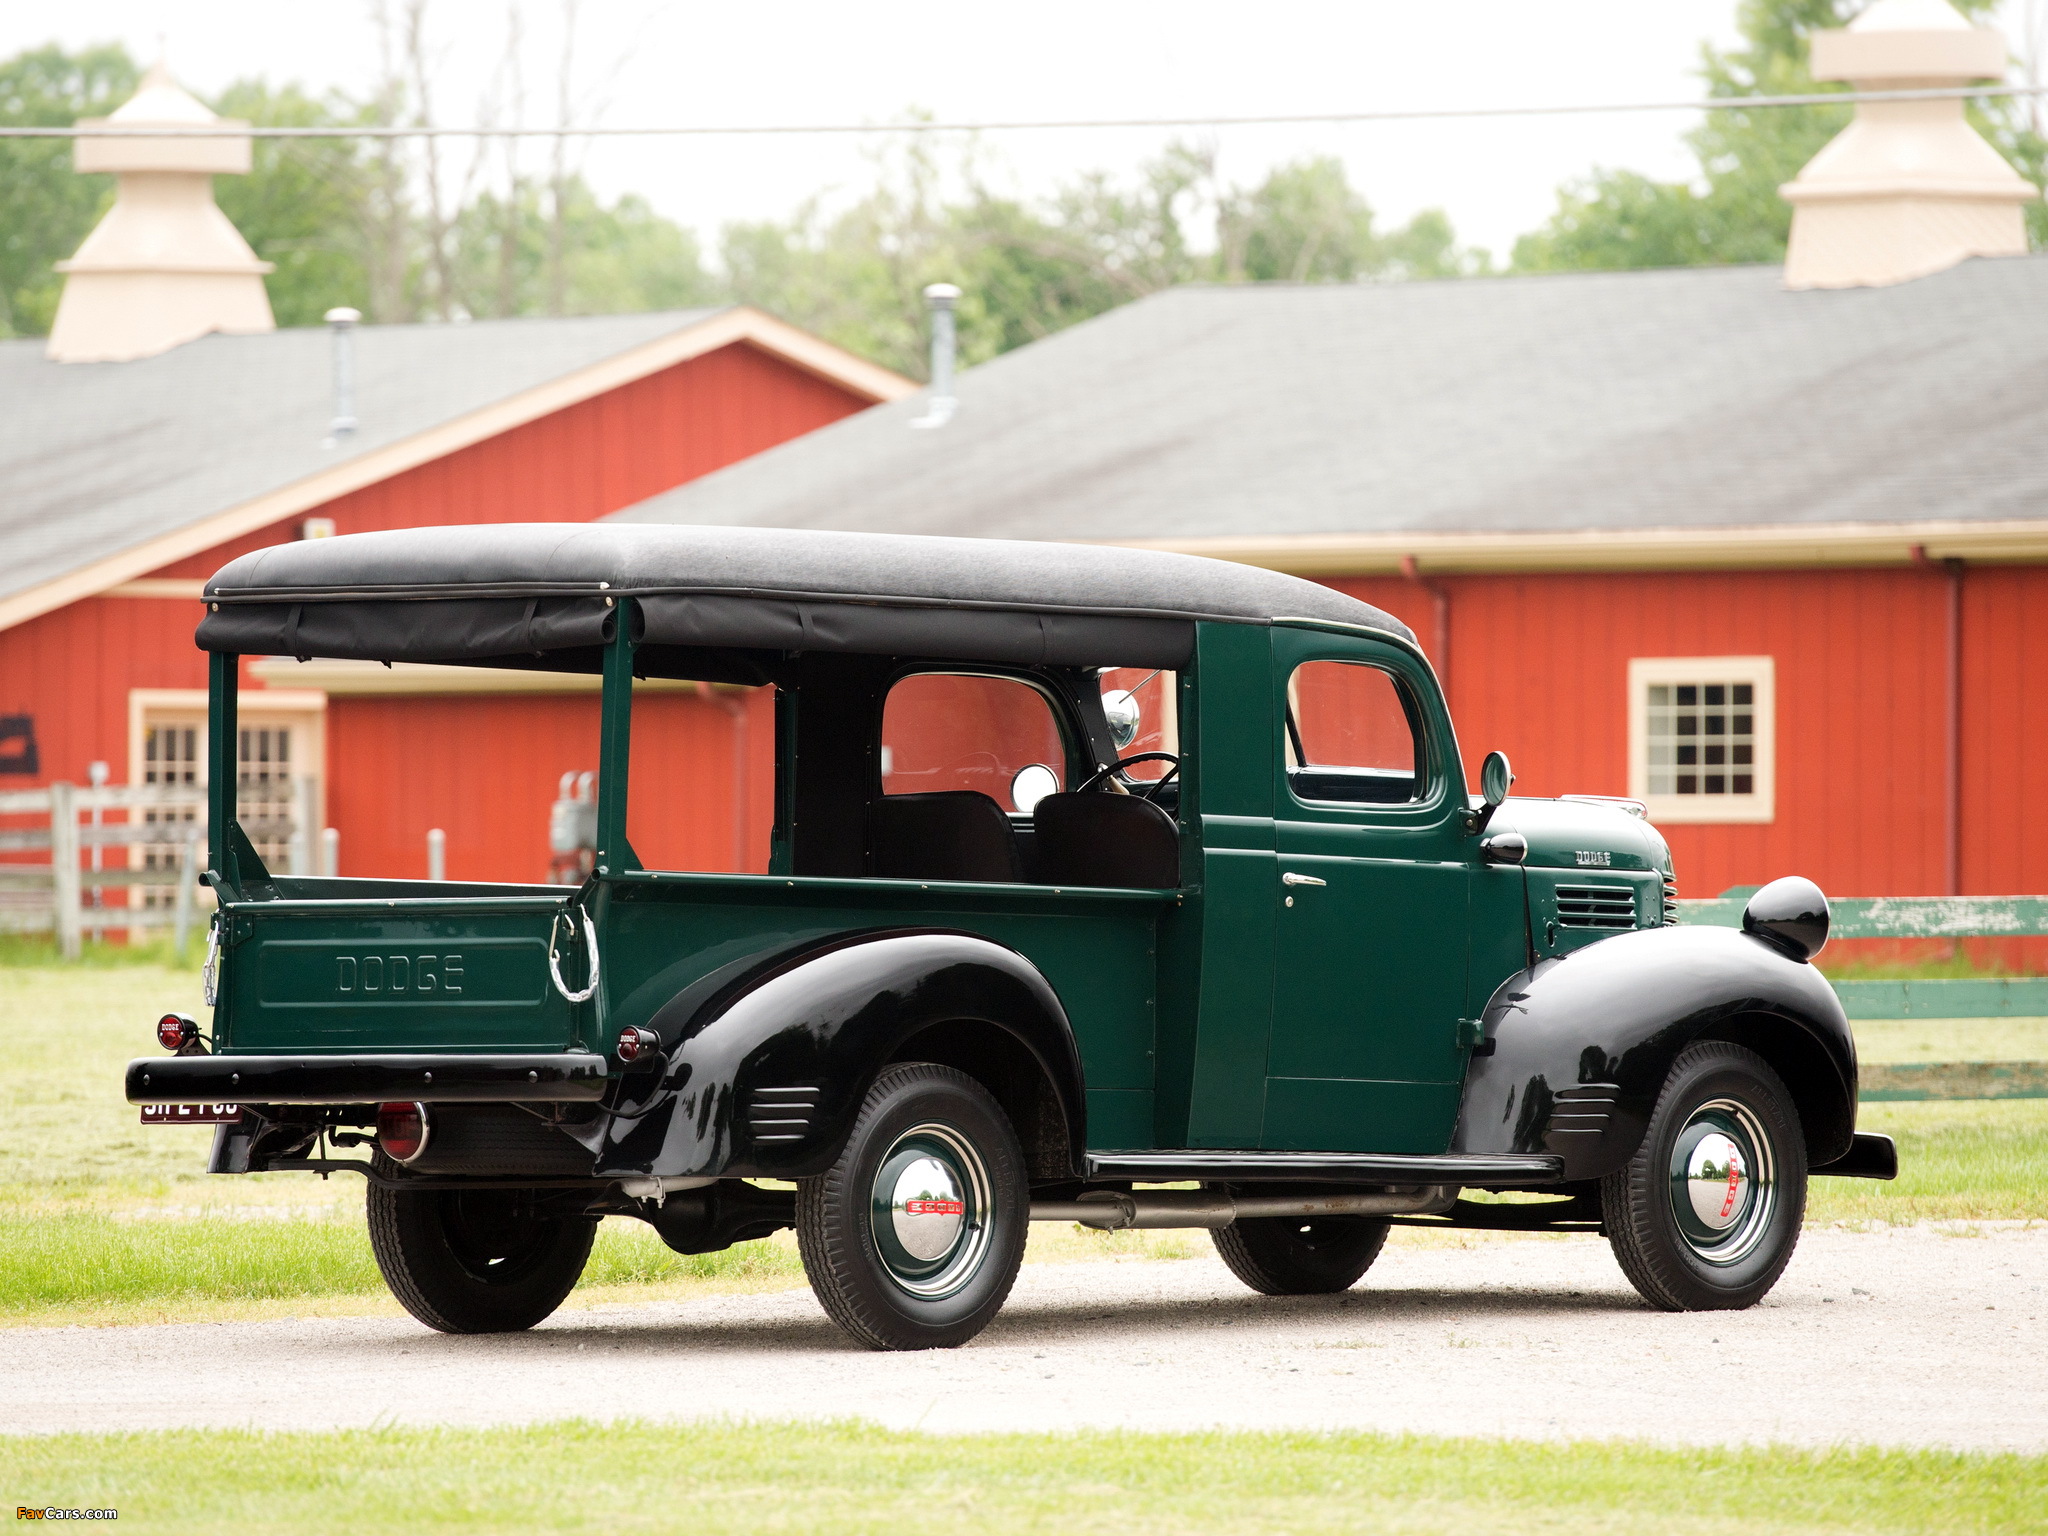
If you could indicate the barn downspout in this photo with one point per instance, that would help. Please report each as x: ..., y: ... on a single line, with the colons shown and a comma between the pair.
x: 1953, y: 725
x: 1441, y: 600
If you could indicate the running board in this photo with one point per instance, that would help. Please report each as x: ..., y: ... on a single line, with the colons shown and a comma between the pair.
x: 1473, y: 1170
x: 1114, y: 1211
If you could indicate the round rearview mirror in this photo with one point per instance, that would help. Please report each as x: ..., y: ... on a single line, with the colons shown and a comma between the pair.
x: 1032, y: 784
x: 1496, y: 778
x: 1122, y: 711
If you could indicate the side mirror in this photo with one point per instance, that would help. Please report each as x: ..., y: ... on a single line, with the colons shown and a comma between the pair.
x: 1496, y: 778
x: 1032, y: 784
x: 1121, y: 709
x: 1791, y: 915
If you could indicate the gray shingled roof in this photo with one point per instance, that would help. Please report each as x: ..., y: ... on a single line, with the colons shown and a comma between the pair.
x: 97, y: 457
x: 1690, y: 398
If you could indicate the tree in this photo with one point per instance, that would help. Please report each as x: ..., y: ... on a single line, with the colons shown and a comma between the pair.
x: 1026, y: 272
x: 1731, y: 211
x: 1305, y: 223
x: 404, y: 230
x: 302, y: 205
x: 46, y: 208
x: 519, y: 256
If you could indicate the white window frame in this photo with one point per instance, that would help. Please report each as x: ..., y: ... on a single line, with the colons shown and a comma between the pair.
x: 1760, y: 672
x: 304, y: 709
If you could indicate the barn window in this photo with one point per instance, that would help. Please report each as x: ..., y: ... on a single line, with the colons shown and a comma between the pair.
x: 1701, y: 737
x: 281, y: 749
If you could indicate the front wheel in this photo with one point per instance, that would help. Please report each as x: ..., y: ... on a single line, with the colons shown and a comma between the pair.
x: 1706, y: 1214
x: 475, y: 1261
x: 912, y: 1239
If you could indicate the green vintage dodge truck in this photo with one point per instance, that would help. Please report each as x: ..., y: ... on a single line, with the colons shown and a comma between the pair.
x: 1104, y: 885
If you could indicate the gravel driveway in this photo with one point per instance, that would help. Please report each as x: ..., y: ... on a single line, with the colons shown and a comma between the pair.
x: 1914, y: 1336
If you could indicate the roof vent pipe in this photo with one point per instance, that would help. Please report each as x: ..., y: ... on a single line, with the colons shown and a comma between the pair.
x: 941, y: 297
x: 343, y: 426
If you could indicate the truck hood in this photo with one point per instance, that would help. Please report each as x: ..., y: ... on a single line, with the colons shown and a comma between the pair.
x: 1570, y: 834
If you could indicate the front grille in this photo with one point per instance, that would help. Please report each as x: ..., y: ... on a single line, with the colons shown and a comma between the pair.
x: 1596, y: 906
x: 781, y: 1114
x: 1671, y: 903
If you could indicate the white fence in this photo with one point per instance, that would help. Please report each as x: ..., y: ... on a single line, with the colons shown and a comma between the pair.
x: 160, y: 833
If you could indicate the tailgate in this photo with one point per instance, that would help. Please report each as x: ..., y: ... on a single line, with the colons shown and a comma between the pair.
x: 418, y: 974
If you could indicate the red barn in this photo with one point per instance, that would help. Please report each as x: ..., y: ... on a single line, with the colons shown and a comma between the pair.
x: 1774, y: 562
x: 126, y: 484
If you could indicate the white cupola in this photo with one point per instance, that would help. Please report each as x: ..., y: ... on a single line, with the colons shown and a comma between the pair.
x: 165, y: 266
x: 1909, y: 187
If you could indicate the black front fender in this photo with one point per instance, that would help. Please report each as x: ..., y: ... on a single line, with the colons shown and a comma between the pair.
x: 764, y: 1080
x: 1581, y: 1046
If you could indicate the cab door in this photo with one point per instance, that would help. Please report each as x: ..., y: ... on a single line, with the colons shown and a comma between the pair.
x: 1374, y: 871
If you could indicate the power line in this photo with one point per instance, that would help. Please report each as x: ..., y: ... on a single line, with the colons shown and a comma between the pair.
x: 1422, y: 114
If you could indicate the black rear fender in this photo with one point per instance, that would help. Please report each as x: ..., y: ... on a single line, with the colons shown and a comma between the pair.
x: 1580, y: 1047
x: 763, y: 1080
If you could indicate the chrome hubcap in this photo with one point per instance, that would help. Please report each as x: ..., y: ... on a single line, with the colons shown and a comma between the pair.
x: 930, y: 1211
x: 1717, y: 1181
x: 1723, y: 1181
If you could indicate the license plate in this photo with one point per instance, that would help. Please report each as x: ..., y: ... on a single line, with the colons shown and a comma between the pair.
x: 191, y: 1114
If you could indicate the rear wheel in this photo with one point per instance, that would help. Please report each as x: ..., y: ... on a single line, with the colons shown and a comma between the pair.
x: 474, y: 1261
x: 1706, y: 1214
x: 1300, y: 1256
x: 912, y: 1239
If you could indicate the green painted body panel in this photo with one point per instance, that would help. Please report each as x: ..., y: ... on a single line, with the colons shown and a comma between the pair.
x: 660, y: 932
x: 332, y: 976
x: 1346, y: 1115
x: 1498, y: 925
x: 1554, y: 932
x: 1370, y: 966
x: 1224, y: 740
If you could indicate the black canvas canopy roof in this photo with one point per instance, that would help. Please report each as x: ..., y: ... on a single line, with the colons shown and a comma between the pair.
x: 543, y: 594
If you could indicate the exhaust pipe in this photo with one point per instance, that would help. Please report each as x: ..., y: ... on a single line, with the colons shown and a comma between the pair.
x: 1114, y: 1211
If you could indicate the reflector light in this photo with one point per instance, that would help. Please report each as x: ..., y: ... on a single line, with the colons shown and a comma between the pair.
x: 174, y: 1031
x: 635, y: 1043
x: 403, y: 1131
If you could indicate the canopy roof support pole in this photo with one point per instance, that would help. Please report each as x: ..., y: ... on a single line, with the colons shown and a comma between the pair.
x: 223, y: 764
x: 615, y: 744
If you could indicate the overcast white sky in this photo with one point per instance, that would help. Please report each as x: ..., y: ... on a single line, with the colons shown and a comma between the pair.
x: 685, y: 61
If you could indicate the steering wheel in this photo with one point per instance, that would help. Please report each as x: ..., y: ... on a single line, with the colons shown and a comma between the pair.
x: 1120, y: 764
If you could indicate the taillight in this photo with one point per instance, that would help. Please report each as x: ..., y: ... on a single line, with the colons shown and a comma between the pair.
x: 635, y: 1043
x: 403, y: 1131
x: 174, y: 1031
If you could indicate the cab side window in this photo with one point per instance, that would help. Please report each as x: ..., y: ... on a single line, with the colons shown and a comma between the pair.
x: 946, y: 732
x: 1353, y: 736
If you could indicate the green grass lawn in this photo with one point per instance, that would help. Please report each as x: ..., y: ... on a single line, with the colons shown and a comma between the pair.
x: 850, y: 1478
x: 102, y: 1220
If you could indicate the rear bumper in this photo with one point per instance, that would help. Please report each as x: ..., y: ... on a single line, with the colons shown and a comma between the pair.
x: 1869, y: 1157
x: 536, y: 1077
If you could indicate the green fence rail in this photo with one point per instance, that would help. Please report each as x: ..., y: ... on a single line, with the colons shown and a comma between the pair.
x: 1898, y: 917
x: 1989, y: 997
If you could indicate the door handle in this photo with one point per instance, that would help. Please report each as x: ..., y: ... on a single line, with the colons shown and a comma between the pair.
x: 1291, y: 878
